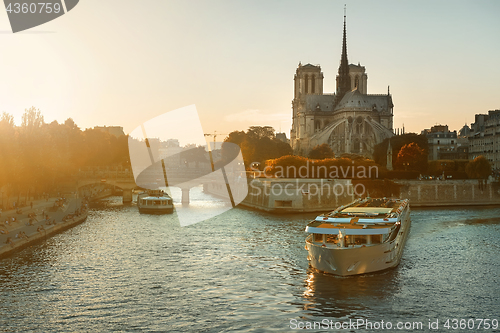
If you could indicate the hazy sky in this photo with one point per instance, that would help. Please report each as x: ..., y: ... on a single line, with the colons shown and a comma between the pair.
x: 123, y: 62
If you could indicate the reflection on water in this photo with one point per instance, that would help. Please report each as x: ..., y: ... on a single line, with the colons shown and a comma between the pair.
x: 344, y: 297
x: 240, y: 271
x: 490, y: 220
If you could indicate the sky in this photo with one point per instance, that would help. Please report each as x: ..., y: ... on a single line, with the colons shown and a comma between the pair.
x: 123, y: 62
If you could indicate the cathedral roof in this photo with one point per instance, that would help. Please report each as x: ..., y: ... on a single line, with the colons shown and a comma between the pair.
x: 356, y: 101
x: 319, y: 102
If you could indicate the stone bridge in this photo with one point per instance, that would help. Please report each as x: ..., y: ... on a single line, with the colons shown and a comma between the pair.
x: 184, y: 178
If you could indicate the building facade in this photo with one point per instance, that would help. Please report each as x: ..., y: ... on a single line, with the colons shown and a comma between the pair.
x: 445, y: 144
x: 484, y: 138
x: 349, y: 120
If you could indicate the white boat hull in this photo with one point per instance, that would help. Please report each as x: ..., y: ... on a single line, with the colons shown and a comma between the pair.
x: 156, y: 210
x: 360, y: 260
x: 157, y: 202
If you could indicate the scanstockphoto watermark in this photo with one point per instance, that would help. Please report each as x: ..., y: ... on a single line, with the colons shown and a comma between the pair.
x: 452, y: 324
x: 310, y: 170
x: 293, y: 187
x: 358, y: 324
x: 322, y: 180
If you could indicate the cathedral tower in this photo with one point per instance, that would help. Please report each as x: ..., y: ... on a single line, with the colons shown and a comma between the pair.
x: 308, y: 80
x: 359, y: 79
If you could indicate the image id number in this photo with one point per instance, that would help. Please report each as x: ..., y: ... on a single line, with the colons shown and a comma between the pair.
x: 34, y: 8
x: 471, y: 324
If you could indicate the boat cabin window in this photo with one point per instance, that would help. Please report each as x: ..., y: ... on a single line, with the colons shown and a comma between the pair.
x: 355, y: 240
x: 349, y: 240
x: 360, y: 239
x: 376, y: 239
x: 332, y: 239
x: 318, y: 238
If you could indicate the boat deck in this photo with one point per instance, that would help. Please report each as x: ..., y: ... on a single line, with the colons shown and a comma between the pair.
x: 362, y: 217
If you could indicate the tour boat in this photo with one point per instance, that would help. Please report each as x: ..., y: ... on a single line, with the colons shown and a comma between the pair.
x: 155, y: 202
x: 367, y: 235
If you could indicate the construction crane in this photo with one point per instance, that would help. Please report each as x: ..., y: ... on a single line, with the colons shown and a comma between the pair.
x: 214, y: 134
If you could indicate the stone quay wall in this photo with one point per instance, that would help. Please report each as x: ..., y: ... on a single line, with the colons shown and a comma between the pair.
x: 449, y: 193
x: 298, y: 195
x: 286, y: 195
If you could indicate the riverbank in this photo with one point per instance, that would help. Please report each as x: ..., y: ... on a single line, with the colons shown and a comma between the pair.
x: 33, y: 225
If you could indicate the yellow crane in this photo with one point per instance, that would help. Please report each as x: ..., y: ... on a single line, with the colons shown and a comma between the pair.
x: 214, y: 134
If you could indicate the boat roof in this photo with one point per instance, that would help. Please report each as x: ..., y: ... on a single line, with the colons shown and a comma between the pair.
x: 367, y: 210
x: 317, y: 227
x: 156, y: 198
x: 362, y: 217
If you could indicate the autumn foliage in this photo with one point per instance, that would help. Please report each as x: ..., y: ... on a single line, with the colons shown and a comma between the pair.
x: 258, y: 144
x: 479, y: 168
x: 412, y: 158
x: 301, y: 167
x: 36, y: 156
x: 321, y: 152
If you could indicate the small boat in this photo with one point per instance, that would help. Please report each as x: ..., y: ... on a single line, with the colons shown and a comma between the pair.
x: 367, y: 235
x: 155, y: 202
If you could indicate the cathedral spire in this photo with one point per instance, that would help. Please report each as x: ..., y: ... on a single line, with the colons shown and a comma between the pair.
x: 343, y: 78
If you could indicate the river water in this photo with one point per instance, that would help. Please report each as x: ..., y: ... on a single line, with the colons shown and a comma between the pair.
x: 243, y: 271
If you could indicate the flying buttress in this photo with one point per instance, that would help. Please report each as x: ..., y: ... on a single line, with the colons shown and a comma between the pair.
x: 322, y: 137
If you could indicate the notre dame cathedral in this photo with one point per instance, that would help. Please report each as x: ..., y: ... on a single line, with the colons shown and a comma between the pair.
x: 349, y: 120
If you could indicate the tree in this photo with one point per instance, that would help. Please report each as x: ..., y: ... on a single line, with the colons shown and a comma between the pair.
x: 70, y: 123
x: 195, y: 155
x: 412, y: 158
x: 258, y: 144
x: 479, y: 168
x: 32, y: 139
x: 397, y: 142
x: 236, y: 137
x: 8, y: 148
x: 261, y: 132
x: 32, y: 119
x: 320, y: 152
x: 36, y: 156
x: 283, y: 148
